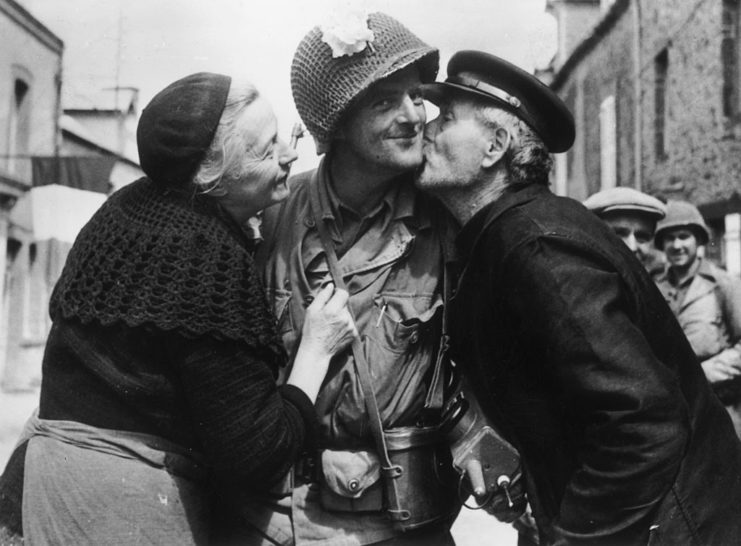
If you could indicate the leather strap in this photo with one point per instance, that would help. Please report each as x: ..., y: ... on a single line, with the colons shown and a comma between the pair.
x: 361, y: 364
x: 435, y: 398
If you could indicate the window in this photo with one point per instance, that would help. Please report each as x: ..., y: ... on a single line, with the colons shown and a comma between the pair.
x: 608, y: 143
x: 661, y: 69
x: 730, y: 57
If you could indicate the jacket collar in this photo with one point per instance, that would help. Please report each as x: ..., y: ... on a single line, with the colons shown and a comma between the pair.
x: 471, y: 232
x: 702, y: 282
x: 401, y: 197
x: 702, y: 268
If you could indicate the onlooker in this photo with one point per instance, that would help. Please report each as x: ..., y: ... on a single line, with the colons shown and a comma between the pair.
x: 632, y: 215
x: 705, y: 299
x: 357, y: 89
x: 568, y: 343
x: 158, y: 382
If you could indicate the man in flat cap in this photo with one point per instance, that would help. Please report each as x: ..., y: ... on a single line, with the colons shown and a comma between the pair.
x: 567, y: 341
x: 632, y: 215
x: 357, y: 220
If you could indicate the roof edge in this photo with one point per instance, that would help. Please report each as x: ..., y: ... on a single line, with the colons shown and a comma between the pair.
x: 23, y: 17
x: 102, y: 149
x: 585, y: 46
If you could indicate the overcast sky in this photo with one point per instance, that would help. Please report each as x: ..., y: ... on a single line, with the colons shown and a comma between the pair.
x: 150, y: 43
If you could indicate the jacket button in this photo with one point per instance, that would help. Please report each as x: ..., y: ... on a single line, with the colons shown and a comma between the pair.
x: 309, y: 222
x: 353, y: 485
x: 414, y: 337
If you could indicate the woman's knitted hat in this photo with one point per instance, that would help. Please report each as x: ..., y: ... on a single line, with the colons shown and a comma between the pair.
x: 177, y: 126
x: 325, y: 79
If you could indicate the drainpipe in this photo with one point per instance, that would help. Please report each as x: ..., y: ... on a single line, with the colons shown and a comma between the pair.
x: 638, y: 93
x: 57, y: 119
x: 732, y: 241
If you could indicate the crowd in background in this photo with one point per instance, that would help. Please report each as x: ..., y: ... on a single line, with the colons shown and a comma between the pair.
x: 669, y: 239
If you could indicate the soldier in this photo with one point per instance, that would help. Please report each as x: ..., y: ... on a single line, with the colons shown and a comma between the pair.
x: 359, y: 218
x: 705, y: 299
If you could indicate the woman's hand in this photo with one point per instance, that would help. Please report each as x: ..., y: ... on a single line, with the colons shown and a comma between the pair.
x: 328, y: 328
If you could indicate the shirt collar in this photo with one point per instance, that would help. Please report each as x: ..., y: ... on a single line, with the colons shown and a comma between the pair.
x: 699, y: 267
x: 400, y: 199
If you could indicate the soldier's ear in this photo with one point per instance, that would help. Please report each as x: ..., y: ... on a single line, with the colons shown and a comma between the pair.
x: 496, y: 146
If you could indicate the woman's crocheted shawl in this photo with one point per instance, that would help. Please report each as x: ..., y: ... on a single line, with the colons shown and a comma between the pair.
x: 153, y: 257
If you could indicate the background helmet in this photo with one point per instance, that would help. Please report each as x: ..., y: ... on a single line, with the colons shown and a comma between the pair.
x: 681, y: 214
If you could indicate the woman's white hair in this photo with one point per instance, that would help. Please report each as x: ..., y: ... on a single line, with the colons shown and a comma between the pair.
x: 225, y: 149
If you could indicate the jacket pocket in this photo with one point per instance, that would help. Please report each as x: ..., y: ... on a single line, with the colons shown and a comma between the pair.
x: 400, y: 350
x: 350, y: 481
x: 401, y: 320
x: 399, y: 342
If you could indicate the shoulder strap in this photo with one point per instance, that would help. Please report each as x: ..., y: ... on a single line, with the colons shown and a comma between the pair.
x: 361, y: 364
x: 435, y: 398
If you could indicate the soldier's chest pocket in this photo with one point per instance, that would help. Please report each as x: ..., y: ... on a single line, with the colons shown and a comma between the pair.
x: 399, y: 322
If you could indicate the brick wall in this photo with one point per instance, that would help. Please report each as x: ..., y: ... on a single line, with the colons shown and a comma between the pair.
x: 702, y: 161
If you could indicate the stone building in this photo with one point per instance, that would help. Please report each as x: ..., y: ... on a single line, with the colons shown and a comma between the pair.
x: 30, y: 81
x: 655, y: 87
x: 56, y: 168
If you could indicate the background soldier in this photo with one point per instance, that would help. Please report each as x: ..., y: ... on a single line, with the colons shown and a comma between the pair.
x: 705, y: 299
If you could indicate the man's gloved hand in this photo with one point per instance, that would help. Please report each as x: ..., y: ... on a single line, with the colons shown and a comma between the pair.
x: 506, y: 503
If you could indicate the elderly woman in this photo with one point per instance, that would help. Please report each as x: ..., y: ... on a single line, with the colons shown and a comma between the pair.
x: 159, y: 371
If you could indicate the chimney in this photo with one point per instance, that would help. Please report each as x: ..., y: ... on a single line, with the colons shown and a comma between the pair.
x: 575, y: 20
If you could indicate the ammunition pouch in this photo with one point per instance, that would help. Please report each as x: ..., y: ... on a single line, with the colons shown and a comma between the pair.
x: 350, y: 481
x: 418, y: 489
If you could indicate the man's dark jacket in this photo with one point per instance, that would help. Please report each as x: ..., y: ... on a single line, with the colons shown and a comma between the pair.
x: 585, y: 369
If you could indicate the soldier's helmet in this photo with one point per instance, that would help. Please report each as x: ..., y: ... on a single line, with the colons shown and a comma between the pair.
x: 332, y: 67
x: 681, y: 214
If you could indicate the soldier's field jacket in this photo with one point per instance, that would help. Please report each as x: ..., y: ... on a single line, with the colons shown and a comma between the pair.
x: 393, y: 273
x: 710, y: 315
